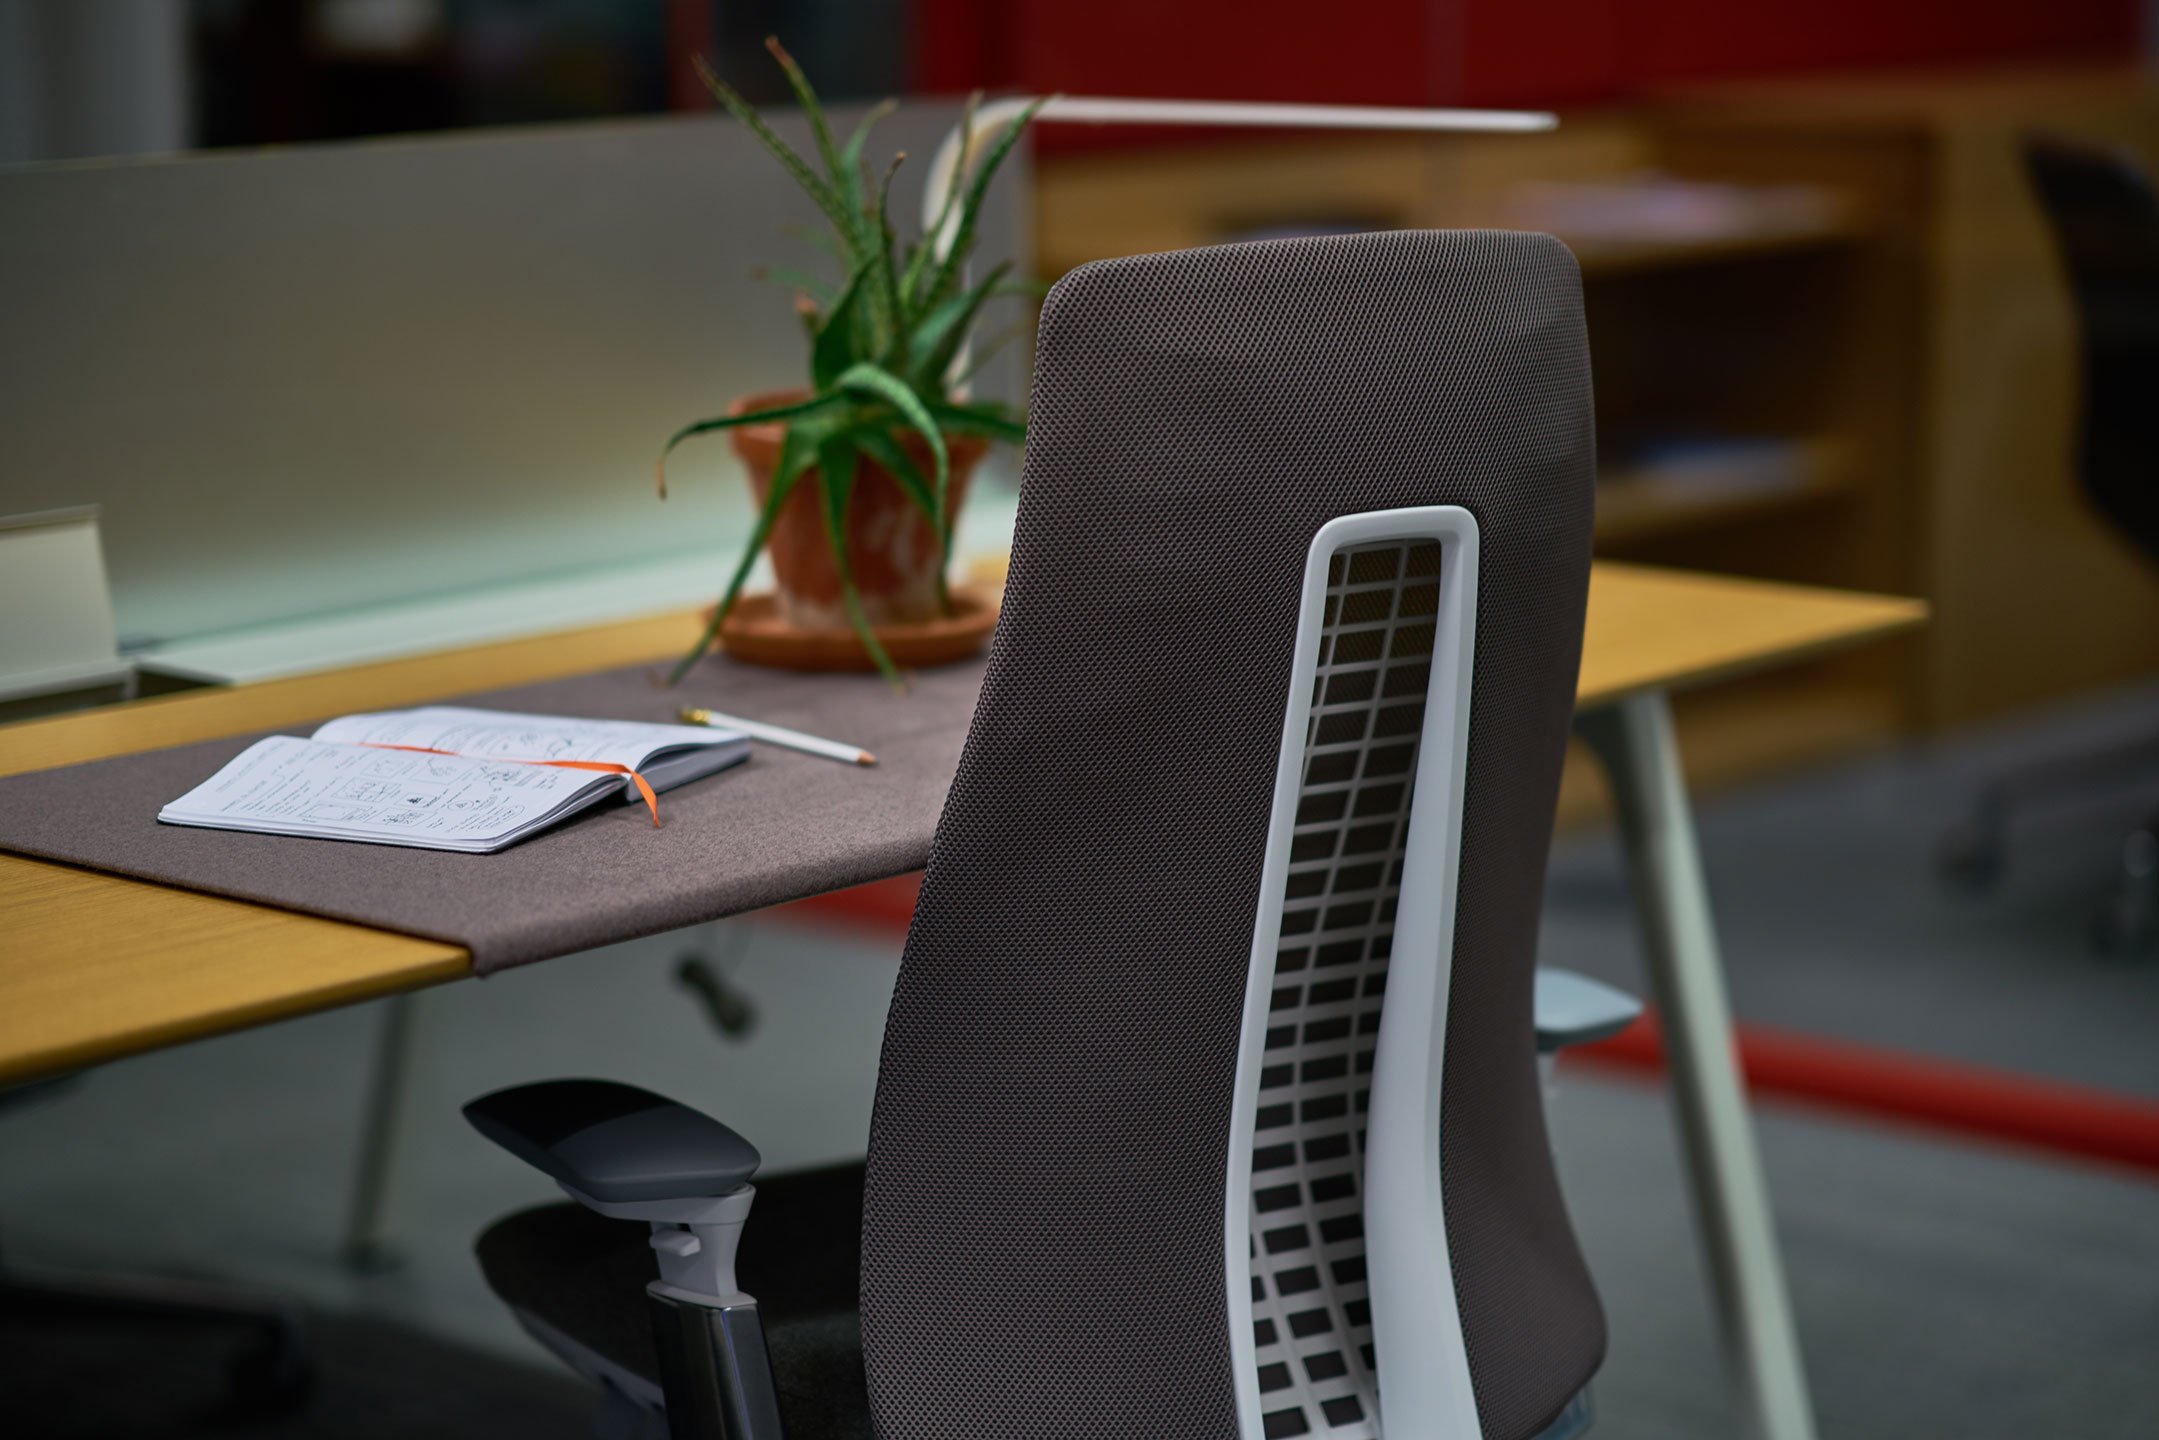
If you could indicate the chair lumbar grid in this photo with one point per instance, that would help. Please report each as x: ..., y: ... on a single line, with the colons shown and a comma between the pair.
x: 1312, y: 1314
x: 1209, y: 1101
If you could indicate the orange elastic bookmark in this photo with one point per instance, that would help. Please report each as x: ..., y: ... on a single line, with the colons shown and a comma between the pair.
x: 644, y: 787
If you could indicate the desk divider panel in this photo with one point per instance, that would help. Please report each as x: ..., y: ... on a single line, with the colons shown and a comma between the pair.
x: 309, y: 380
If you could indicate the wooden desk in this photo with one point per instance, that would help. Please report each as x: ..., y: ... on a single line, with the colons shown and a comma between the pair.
x: 95, y: 966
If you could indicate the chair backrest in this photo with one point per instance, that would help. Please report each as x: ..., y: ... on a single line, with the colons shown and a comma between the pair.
x: 1117, y: 1179
x: 2104, y: 214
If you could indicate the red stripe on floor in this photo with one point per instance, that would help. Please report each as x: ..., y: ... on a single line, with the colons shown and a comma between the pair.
x: 1965, y: 1099
x: 1945, y: 1094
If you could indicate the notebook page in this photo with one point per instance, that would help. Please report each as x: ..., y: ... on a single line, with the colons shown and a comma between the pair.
x: 500, y: 734
x: 287, y: 785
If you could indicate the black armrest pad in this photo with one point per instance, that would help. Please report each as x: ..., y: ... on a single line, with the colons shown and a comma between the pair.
x: 615, y: 1142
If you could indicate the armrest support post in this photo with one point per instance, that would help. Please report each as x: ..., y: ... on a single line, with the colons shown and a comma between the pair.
x: 714, y: 1370
x: 631, y: 1155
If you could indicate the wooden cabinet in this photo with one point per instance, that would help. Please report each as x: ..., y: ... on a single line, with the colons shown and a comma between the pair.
x: 2035, y: 597
x: 1725, y: 321
x: 1832, y: 345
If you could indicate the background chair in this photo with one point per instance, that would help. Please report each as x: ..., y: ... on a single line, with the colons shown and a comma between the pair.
x: 2101, y: 208
x: 1209, y: 1098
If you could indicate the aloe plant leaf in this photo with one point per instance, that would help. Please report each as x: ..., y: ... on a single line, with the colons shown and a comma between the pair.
x: 937, y: 339
x: 812, y: 109
x: 946, y: 276
x: 851, y: 156
x: 882, y: 384
x: 865, y: 229
x: 879, y: 444
x: 991, y: 422
x: 893, y: 316
x: 729, y: 422
x: 918, y: 263
x: 836, y: 462
x: 796, y: 456
x: 811, y: 314
x: 826, y: 198
x: 838, y: 341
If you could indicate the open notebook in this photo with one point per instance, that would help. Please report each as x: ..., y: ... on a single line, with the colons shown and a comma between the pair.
x: 471, y: 780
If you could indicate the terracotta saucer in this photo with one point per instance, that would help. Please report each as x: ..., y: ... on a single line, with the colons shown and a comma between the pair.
x: 757, y: 635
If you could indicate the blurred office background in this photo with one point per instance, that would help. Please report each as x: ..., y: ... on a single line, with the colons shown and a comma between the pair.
x: 1842, y: 336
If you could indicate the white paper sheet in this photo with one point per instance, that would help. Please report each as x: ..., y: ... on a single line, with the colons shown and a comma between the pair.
x: 285, y: 785
x: 493, y: 782
x: 501, y: 734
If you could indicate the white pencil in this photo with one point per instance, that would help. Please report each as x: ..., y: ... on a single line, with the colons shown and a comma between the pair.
x: 777, y: 735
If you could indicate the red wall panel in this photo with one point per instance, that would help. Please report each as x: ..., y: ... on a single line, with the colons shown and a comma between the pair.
x: 1705, y: 39
x: 1374, y: 52
x: 1391, y: 52
x: 1558, y: 52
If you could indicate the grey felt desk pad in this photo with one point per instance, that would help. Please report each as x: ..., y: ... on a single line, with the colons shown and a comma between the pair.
x: 778, y: 827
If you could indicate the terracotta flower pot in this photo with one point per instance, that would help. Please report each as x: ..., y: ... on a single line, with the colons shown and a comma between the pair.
x: 894, y: 549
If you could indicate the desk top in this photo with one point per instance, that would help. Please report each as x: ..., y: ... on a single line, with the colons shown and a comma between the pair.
x: 95, y: 966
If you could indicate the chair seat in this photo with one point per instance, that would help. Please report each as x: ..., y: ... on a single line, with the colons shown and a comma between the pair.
x: 585, y: 1275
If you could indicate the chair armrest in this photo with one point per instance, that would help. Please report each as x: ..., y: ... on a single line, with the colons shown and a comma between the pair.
x: 615, y: 1143
x: 1574, y: 1009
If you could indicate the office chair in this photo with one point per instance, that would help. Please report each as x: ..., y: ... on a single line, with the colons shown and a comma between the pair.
x: 1209, y: 1102
x: 2104, y: 216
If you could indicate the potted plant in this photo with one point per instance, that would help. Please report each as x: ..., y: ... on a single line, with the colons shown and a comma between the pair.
x: 858, y: 476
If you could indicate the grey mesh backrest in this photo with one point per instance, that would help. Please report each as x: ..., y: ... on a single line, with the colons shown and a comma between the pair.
x: 1051, y: 1155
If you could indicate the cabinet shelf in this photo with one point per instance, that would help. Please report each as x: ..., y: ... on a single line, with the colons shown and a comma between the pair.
x: 1654, y: 501
x: 1654, y: 222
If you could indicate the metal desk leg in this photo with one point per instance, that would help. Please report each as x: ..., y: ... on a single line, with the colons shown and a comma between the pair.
x: 383, y: 1124
x: 1633, y: 739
